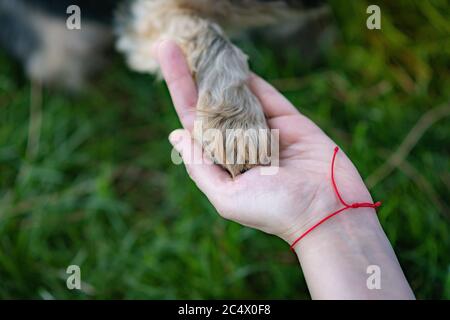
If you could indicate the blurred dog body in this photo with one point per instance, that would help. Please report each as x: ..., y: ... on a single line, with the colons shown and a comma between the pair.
x: 35, y: 31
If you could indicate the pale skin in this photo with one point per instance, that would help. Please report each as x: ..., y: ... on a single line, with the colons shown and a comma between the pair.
x: 335, y: 256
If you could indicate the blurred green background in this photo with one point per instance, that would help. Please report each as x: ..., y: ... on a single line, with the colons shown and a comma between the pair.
x: 88, y: 180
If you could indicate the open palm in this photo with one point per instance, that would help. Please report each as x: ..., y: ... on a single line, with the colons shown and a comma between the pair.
x: 286, y: 203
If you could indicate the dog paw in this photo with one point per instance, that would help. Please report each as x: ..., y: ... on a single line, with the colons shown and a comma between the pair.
x: 234, y: 133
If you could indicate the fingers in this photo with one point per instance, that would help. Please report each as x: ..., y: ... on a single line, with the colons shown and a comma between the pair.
x: 183, y: 90
x: 273, y: 102
x: 179, y: 80
x: 210, y: 178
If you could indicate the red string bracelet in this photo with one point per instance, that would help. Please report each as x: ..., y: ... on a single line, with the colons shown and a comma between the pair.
x: 345, y: 204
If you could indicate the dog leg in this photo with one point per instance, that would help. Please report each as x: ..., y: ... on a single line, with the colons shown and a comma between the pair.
x: 220, y: 69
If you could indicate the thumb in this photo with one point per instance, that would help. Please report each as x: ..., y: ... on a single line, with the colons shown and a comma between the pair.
x: 207, y: 176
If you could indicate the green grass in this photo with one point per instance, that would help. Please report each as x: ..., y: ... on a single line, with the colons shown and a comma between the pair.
x: 94, y: 184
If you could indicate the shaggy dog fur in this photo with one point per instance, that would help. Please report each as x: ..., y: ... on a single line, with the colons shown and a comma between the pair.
x: 220, y: 69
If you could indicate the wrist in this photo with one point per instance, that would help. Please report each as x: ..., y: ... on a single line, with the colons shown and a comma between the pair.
x: 352, y: 227
x: 328, y: 210
x: 328, y: 202
x: 340, y: 238
x: 336, y: 257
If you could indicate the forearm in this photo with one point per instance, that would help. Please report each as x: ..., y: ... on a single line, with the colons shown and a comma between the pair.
x: 335, y: 258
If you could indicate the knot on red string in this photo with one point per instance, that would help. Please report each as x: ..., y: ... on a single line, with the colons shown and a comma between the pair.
x: 345, y: 204
x: 364, y: 205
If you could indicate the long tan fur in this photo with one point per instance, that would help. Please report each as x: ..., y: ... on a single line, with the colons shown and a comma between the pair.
x: 219, y: 67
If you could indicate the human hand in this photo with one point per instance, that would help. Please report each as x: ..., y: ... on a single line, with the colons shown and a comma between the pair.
x: 285, y: 204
